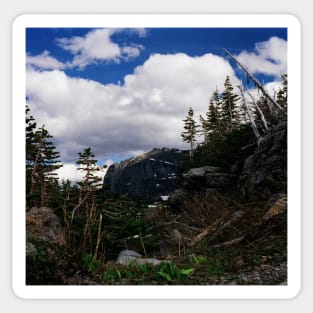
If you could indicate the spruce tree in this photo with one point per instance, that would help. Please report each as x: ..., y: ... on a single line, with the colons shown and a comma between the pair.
x: 88, y: 165
x: 191, y: 130
x: 214, y: 115
x: 228, y: 106
x: 41, y: 163
x: 88, y: 186
x: 282, y: 95
x: 30, y: 148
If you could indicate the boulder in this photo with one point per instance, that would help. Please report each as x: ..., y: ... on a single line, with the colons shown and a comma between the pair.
x: 206, y: 176
x: 42, y: 224
x: 179, y: 196
x: 129, y: 256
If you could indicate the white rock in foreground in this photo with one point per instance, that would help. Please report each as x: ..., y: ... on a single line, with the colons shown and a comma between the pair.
x: 129, y: 256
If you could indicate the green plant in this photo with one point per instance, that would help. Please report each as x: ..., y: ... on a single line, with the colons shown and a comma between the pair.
x: 129, y: 274
x: 112, y: 275
x: 89, y: 262
x: 169, y: 272
x: 197, y: 260
x: 217, y: 267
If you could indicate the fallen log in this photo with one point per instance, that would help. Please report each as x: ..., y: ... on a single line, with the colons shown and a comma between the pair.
x: 230, y: 242
x: 217, y: 227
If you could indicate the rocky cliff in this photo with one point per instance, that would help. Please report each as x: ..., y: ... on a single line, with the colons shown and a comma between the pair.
x: 265, y: 171
x: 262, y: 174
x: 150, y: 175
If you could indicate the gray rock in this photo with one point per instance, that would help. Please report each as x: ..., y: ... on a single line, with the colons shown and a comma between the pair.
x: 178, y: 197
x: 30, y: 249
x: 202, y: 171
x: 205, y: 177
x: 129, y: 256
x: 43, y: 224
x: 265, y: 171
x: 217, y: 180
x: 199, y: 171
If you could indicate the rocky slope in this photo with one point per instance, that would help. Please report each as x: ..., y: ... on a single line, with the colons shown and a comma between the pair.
x: 150, y: 175
x: 262, y: 174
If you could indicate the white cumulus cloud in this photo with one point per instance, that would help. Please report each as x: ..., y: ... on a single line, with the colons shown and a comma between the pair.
x: 44, y: 61
x: 143, y: 113
x: 97, y: 45
x: 270, y: 57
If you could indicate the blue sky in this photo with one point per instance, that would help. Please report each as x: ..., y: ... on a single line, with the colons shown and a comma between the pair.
x: 126, y: 91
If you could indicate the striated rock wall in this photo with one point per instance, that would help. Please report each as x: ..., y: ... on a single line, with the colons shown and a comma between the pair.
x: 150, y: 175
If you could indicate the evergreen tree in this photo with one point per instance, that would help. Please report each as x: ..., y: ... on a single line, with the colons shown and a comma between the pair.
x: 88, y: 187
x: 191, y: 130
x: 282, y: 95
x: 214, y: 115
x: 41, y: 162
x: 30, y: 148
x: 228, y: 105
x: 88, y: 165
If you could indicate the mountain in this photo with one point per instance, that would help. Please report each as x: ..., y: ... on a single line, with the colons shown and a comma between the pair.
x: 150, y: 175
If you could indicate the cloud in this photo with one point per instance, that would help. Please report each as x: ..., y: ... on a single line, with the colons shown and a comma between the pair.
x: 44, y: 61
x: 70, y: 171
x: 97, y: 45
x: 270, y: 57
x: 143, y: 113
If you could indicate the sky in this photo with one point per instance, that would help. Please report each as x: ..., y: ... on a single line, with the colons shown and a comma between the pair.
x: 123, y: 92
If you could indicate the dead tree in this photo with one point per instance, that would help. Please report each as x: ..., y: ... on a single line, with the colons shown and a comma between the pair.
x: 248, y: 112
x: 257, y: 83
x: 259, y: 111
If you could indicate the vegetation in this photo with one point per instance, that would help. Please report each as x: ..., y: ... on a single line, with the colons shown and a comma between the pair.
x: 191, y: 130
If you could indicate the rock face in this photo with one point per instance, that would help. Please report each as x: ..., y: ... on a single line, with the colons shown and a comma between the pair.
x: 265, y: 171
x: 42, y: 224
x: 150, y: 175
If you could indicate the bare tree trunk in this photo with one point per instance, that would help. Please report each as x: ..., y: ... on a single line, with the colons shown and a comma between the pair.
x: 43, y: 193
x: 78, y: 205
x: 257, y: 83
x: 98, y: 237
x: 36, y: 162
x: 247, y: 110
x: 260, y: 112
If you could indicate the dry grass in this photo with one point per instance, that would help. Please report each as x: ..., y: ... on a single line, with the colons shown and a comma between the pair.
x: 204, y: 209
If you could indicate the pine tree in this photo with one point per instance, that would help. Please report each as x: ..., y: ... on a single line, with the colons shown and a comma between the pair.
x: 41, y: 162
x: 214, y: 115
x: 191, y: 130
x: 30, y: 148
x: 88, y: 165
x: 228, y: 106
x: 282, y: 95
x: 88, y: 187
